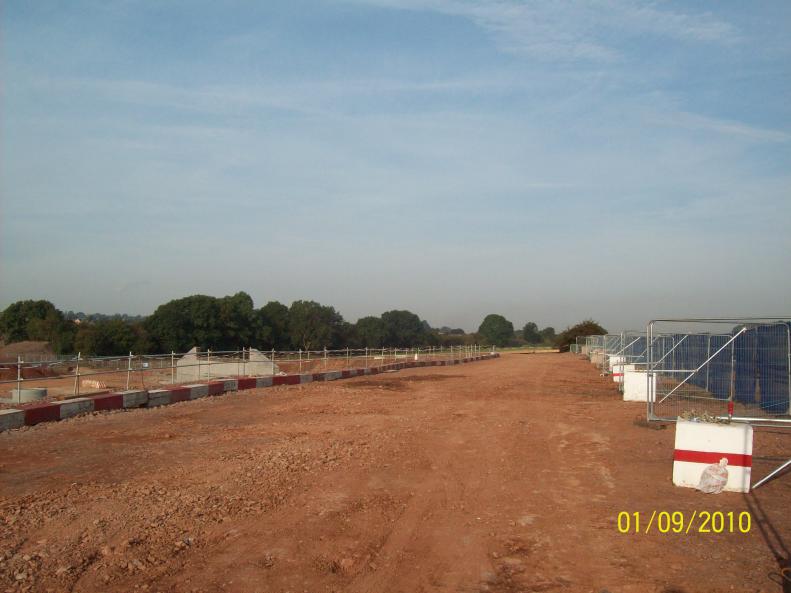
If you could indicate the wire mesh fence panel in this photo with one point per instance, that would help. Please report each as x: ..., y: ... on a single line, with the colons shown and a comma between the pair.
x: 66, y: 377
x: 734, y: 368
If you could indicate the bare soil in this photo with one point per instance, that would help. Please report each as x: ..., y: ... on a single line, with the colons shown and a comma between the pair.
x: 501, y: 476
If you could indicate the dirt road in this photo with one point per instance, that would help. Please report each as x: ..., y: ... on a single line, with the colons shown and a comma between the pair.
x: 501, y: 476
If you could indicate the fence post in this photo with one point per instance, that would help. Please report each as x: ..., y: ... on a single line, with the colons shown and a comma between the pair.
x: 173, y: 367
x: 325, y: 358
x: 18, y: 379
x: 208, y: 359
x: 366, y: 357
x: 347, y: 357
x: 77, y: 375
x: 300, y: 361
x: 128, y: 370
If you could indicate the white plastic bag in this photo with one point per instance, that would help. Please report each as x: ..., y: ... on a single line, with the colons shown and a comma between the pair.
x: 714, y: 477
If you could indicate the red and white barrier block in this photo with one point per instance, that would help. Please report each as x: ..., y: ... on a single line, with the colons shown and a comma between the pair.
x: 619, y: 370
x: 700, y: 444
x: 52, y: 411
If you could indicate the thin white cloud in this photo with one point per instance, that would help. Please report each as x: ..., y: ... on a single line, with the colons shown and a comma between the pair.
x: 693, y: 121
x: 573, y: 30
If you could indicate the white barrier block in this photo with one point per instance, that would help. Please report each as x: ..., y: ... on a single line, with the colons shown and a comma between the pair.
x: 333, y: 375
x: 263, y: 381
x: 11, y: 419
x: 75, y: 407
x: 635, y: 386
x: 230, y: 385
x: 700, y: 444
x: 158, y: 397
x: 135, y: 398
x: 197, y: 391
x: 307, y: 378
x: 613, y: 360
x: 618, y: 371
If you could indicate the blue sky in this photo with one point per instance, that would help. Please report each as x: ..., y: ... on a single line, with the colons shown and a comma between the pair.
x: 548, y: 161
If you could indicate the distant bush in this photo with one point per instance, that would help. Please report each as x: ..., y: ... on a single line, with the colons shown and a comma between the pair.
x: 570, y: 334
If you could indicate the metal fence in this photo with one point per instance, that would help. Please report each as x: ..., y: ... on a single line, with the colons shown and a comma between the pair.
x: 738, y: 369
x: 65, y: 377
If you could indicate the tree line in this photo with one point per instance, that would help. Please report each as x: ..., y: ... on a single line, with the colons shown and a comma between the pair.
x: 231, y: 322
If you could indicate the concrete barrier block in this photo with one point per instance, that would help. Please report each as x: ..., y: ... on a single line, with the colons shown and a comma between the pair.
x: 134, y: 398
x: 216, y: 387
x: 158, y: 397
x: 198, y: 390
x: 263, y: 381
x: 75, y: 407
x: 43, y: 412
x: 230, y: 385
x: 332, y: 375
x: 635, y: 385
x: 246, y: 383
x: 307, y: 378
x: 285, y: 380
x: 180, y: 394
x: 107, y: 401
x: 700, y: 444
x: 11, y: 418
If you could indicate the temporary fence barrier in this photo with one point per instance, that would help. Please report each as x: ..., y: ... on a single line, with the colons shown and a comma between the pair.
x: 736, y: 369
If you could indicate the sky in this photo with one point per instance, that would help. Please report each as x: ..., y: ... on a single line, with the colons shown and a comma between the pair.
x: 548, y: 161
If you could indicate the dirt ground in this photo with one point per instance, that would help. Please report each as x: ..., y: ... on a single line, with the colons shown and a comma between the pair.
x: 499, y: 476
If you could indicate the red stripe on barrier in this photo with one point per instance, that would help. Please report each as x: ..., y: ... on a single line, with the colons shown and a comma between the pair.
x: 179, y: 394
x: 346, y: 374
x: 617, y: 374
x: 736, y: 459
x: 246, y: 383
x: 109, y: 401
x: 285, y: 380
x: 46, y: 412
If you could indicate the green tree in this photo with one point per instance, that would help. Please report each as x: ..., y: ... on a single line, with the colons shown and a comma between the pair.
x: 312, y: 326
x: 183, y: 323
x: 584, y: 328
x: 109, y: 337
x: 273, y: 326
x: 496, y: 329
x: 403, y: 329
x: 37, y: 320
x: 237, y: 321
x: 16, y: 320
x: 371, y: 332
x: 531, y: 334
x: 548, y: 335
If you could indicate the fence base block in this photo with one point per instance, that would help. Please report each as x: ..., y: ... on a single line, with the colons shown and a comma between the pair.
x: 700, y: 444
x: 635, y: 385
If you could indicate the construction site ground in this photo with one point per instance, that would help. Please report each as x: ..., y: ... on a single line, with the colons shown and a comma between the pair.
x: 505, y: 475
